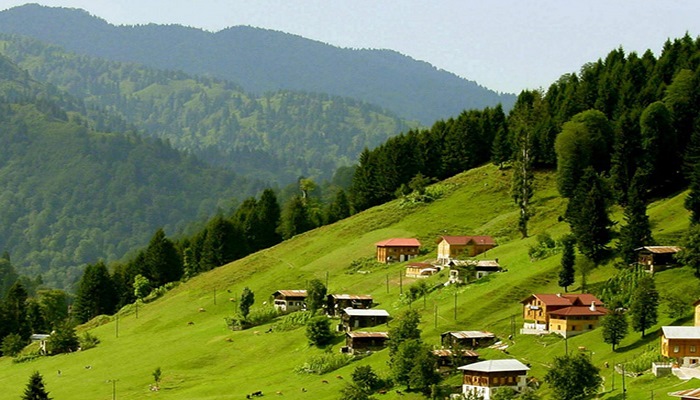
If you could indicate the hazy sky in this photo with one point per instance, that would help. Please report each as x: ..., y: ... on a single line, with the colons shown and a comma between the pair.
x: 503, y: 45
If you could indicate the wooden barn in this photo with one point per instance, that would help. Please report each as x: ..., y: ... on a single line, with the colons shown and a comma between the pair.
x: 397, y: 250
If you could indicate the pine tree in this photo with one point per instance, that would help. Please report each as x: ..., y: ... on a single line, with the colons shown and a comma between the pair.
x: 637, y: 230
x: 339, y: 207
x: 315, y: 295
x: 35, y: 388
x: 162, y: 262
x: 568, y: 260
x: 644, y: 305
x: 247, y: 300
x: 15, y: 311
x: 268, y: 219
x: 295, y: 218
x: 587, y: 214
x: 96, y: 293
x: 692, y: 202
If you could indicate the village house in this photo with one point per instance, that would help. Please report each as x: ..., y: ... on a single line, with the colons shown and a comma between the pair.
x: 485, y: 378
x: 566, y: 314
x: 657, y: 258
x: 467, y: 339
x: 451, y: 247
x: 464, y: 271
x: 41, y: 338
x: 397, y: 250
x: 681, y: 343
x: 352, y: 318
x: 286, y: 301
x: 337, y: 302
x: 420, y: 270
x: 364, y: 341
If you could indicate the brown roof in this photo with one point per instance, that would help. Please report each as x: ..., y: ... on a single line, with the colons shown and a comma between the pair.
x: 464, y: 240
x: 291, y: 293
x: 566, y: 299
x: 448, y: 353
x: 661, y: 249
x: 356, y: 334
x: 579, y: 310
x: 352, y: 296
x: 687, y: 393
x: 399, y: 242
x: 420, y: 265
x: 470, y: 334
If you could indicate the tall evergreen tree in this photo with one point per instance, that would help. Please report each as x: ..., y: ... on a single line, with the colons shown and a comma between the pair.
x: 637, y: 230
x: 587, y: 214
x: 614, y: 326
x: 36, y: 390
x: 8, y: 275
x: 625, y: 156
x: 224, y: 243
x: 568, y: 260
x: 247, y: 300
x: 644, y: 305
x: 295, y: 218
x: 692, y: 201
x: 15, y: 310
x: 162, y: 262
x: 96, y: 294
x: 661, y: 161
x: 268, y: 218
x: 339, y: 207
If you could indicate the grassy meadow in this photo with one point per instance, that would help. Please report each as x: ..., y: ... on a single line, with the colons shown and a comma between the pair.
x: 184, y: 332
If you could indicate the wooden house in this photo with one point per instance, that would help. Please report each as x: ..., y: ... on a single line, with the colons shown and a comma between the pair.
x: 420, y: 270
x: 397, y: 250
x: 657, y: 258
x: 449, y: 357
x: 337, y: 302
x: 365, y: 341
x: 483, y: 268
x: 352, y: 318
x: 567, y: 314
x: 485, y: 378
x: 450, y: 247
x: 681, y: 343
x: 286, y: 301
x: 40, y: 338
x: 467, y: 339
x: 697, y: 312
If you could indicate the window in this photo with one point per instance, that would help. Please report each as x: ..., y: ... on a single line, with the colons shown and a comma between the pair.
x: 676, y: 349
x: 692, y: 349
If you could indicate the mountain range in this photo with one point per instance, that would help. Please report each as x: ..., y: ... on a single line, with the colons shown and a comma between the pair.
x: 263, y: 60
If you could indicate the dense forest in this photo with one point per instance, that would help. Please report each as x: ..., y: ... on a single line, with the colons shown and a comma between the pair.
x: 72, y: 195
x: 262, y: 61
x: 275, y: 137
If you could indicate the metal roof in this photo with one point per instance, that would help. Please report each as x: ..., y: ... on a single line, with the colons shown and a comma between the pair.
x: 470, y: 334
x: 681, y: 332
x: 448, y: 353
x: 496, y: 366
x: 356, y: 334
x: 352, y: 296
x: 355, y: 312
x: 399, y: 242
x: 661, y: 249
x: 687, y: 393
x: 566, y: 299
x: 291, y: 293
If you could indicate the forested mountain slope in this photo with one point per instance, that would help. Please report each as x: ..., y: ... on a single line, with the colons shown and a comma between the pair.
x: 276, y: 137
x: 71, y: 195
x: 262, y: 60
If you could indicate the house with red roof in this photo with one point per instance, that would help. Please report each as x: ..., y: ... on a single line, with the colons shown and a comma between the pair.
x: 566, y: 314
x: 397, y: 250
x: 451, y: 247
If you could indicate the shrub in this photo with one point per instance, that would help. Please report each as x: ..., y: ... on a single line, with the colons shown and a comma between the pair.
x: 545, y: 247
x: 323, y: 363
x: 13, y: 344
x: 88, y: 341
x: 293, y: 321
x: 63, y: 340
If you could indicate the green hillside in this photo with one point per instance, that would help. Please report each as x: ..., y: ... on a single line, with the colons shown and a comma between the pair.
x: 184, y: 332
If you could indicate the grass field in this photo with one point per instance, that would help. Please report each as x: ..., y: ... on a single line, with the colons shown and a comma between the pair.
x: 202, y: 359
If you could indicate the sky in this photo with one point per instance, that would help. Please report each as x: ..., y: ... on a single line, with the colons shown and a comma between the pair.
x: 504, y: 45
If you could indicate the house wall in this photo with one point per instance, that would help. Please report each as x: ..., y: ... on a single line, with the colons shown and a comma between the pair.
x: 570, y: 326
x: 697, y: 315
x: 680, y: 348
x: 535, y: 311
x: 387, y: 254
x: 486, y: 384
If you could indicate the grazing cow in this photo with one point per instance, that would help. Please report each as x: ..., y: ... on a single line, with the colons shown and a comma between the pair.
x: 279, y: 393
x: 339, y: 376
x: 324, y: 381
x: 303, y: 390
x: 190, y: 323
x: 202, y: 309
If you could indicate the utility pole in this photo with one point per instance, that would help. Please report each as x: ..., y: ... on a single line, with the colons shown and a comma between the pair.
x: 400, y: 283
x: 116, y: 327
x: 114, y: 387
x: 436, y: 315
x: 455, y: 305
x: 214, y: 296
x: 387, y: 283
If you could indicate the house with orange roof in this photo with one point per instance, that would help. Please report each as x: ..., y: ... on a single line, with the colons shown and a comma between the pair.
x: 566, y: 314
x: 397, y: 250
x: 450, y: 247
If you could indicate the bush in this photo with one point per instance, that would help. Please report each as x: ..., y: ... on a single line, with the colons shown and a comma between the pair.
x: 258, y: 316
x: 293, y: 321
x: 63, y: 340
x: 88, y: 341
x: 13, y: 344
x: 323, y: 363
x: 545, y: 247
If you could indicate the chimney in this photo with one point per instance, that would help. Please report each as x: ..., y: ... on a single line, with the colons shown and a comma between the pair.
x: 593, y: 306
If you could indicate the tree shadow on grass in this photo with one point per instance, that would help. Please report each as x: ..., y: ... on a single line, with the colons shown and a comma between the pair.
x: 649, y: 337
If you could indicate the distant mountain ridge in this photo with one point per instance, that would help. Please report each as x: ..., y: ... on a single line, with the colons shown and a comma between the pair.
x: 262, y: 60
